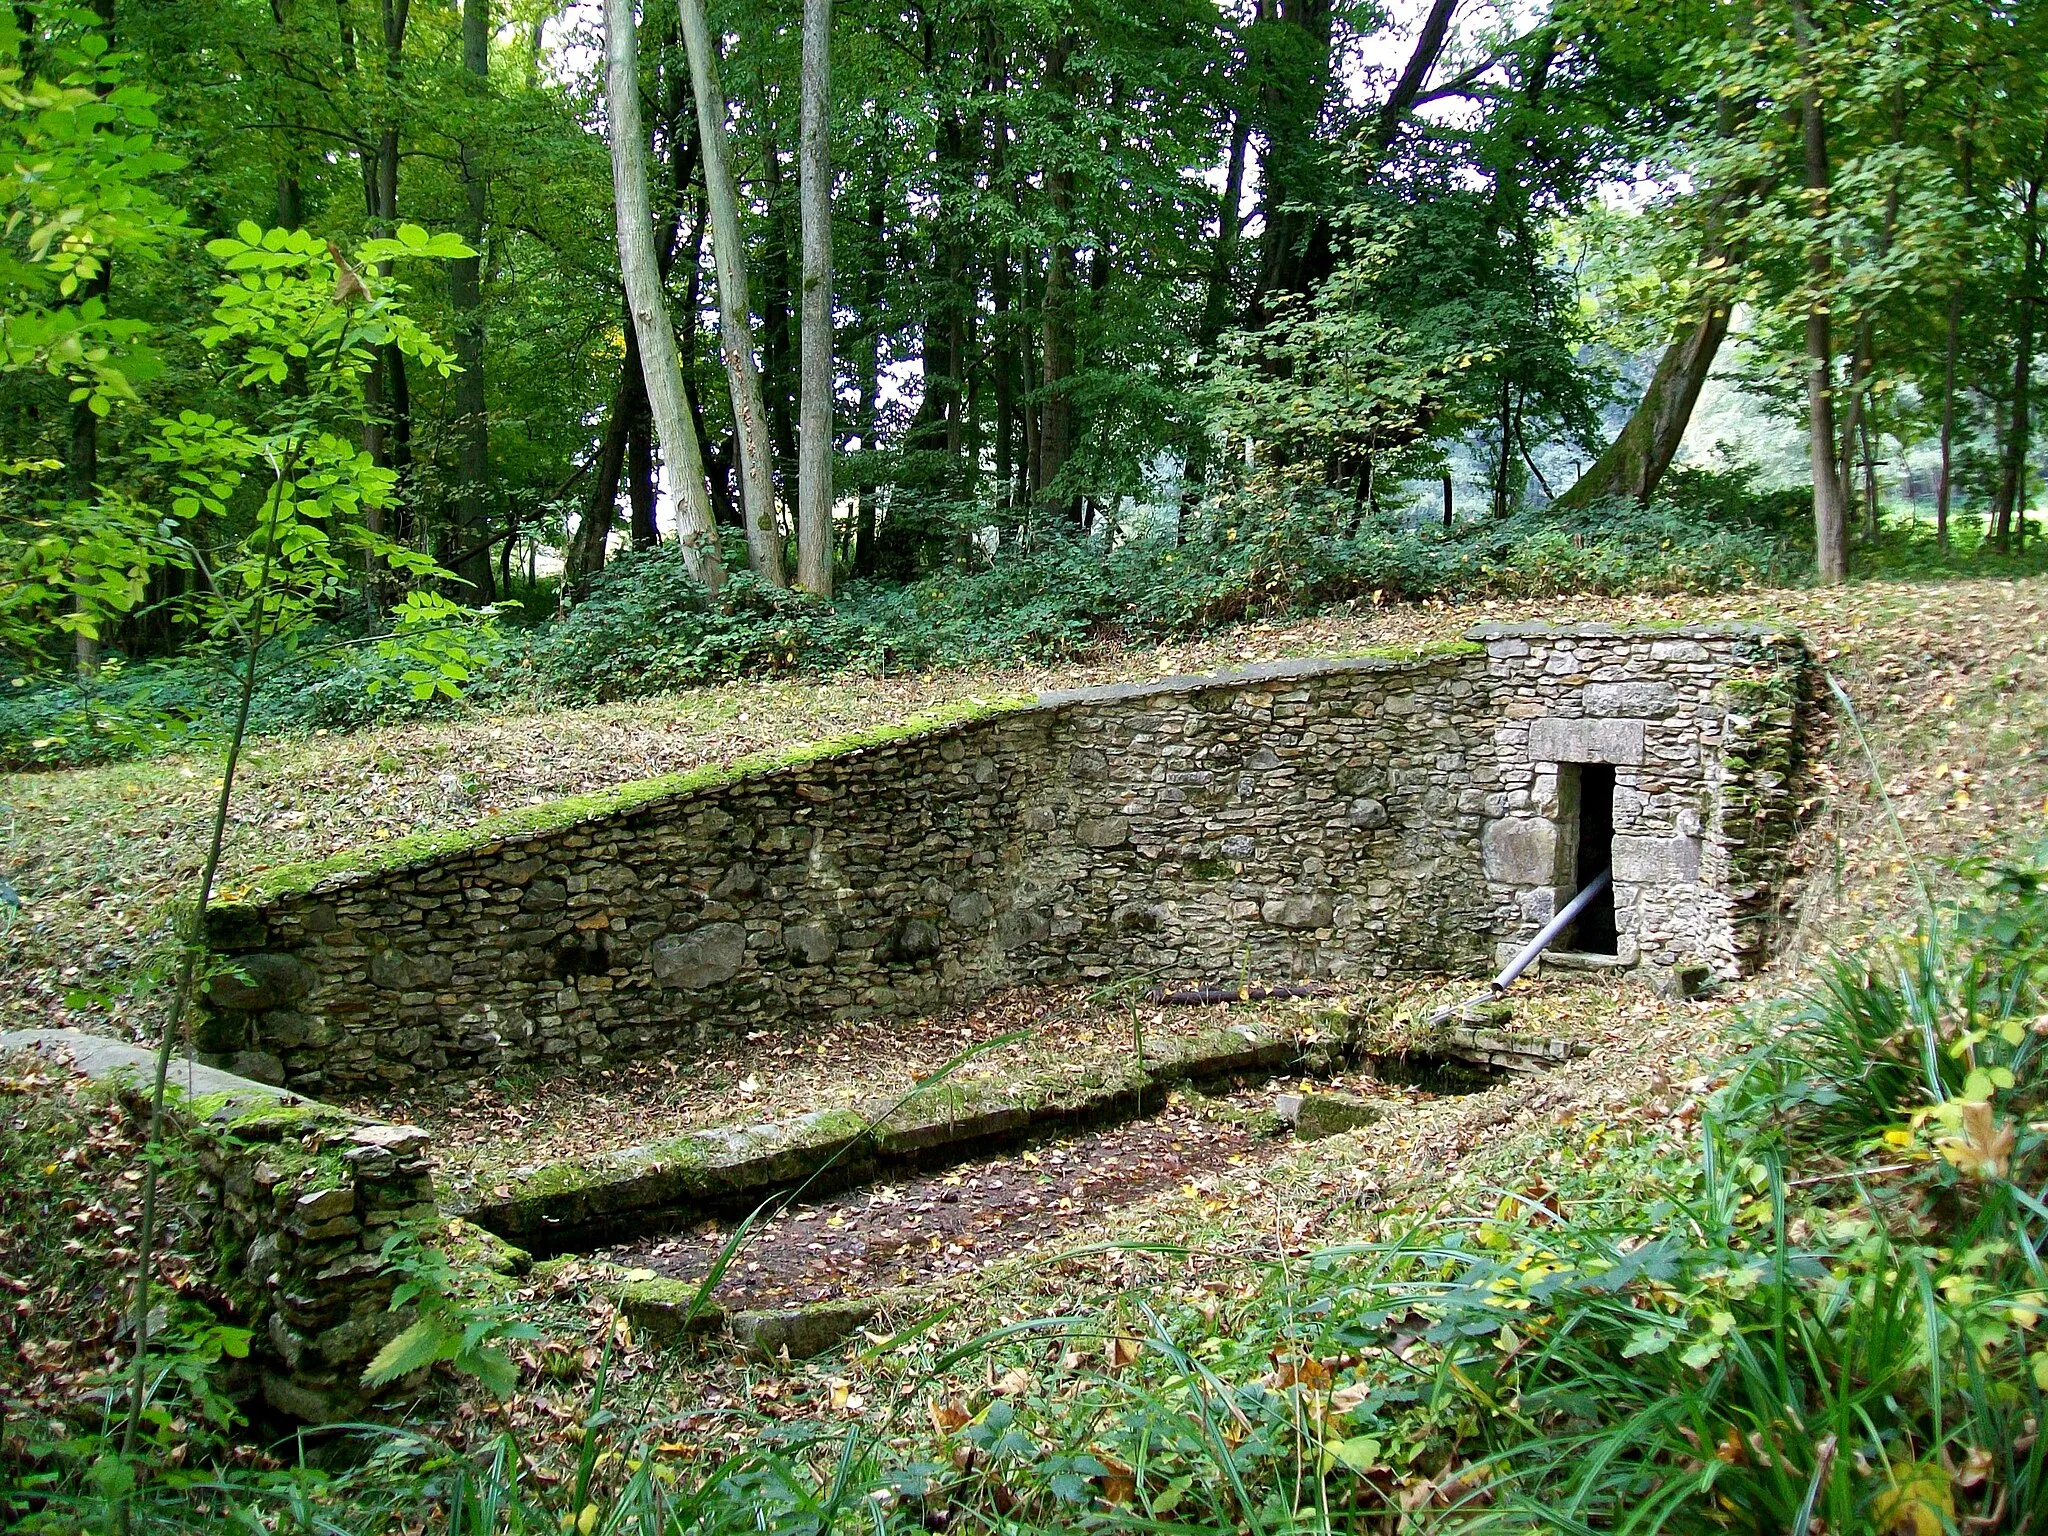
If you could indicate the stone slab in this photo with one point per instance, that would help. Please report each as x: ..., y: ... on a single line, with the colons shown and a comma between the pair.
x: 107, y: 1061
x: 1556, y: 739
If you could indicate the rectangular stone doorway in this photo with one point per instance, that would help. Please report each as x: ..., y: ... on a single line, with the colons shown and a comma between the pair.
x: 1591, y: 787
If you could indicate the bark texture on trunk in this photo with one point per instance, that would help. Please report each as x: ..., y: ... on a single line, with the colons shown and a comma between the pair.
x: 465, y: 283
x: 1830, y: 524
x: 639, y: 265
x: 1634, y: 463
x: 735, y: 332
x: 814, y: 191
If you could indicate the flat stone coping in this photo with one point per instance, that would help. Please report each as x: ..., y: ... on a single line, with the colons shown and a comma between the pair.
x: 587, y: 1201
x: 133, y: 1067
x: 1593, y: 629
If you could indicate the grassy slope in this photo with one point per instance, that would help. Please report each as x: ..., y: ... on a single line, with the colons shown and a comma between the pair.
x: 1952, y: 675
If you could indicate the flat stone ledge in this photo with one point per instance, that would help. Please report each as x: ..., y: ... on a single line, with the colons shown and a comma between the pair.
x: 1734, y: 629
x: 134, y: 1067
x: 568, y: 1204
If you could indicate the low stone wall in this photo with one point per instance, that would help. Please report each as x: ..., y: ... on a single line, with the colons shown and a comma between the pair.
x: 299, y: 1198
x: 1327, y: 818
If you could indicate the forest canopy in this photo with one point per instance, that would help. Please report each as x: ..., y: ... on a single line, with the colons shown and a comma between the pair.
x: 1001, y: 326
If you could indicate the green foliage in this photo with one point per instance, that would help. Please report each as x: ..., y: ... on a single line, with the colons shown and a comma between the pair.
x: 460, y: 1318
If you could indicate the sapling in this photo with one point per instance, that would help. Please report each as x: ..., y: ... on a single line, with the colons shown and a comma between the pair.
x: 295, y: 328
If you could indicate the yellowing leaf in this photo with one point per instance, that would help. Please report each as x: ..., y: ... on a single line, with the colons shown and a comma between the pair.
x: 1920, y: 1501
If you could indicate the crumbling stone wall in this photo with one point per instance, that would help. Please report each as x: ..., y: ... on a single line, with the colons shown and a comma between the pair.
x: 1343, y: 817
x: 298, y: 1199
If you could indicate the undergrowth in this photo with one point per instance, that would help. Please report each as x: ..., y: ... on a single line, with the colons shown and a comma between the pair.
x: 646, y: 628
x: 1801, y: 1295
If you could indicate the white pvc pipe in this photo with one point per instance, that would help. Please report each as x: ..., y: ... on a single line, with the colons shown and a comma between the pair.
x: 1551, y: 930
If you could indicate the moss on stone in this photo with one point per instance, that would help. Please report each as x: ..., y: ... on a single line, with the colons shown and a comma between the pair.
x: 531, y: 821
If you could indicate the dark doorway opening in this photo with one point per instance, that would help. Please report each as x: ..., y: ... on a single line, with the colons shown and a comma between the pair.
x: 1594, y: 933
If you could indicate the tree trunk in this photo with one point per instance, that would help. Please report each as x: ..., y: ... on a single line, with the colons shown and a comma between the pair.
x: 778, y: 372
x: 873, y: 278
x: 585, y: 555
x: 465, y: 283
x: 1055, y: 422
x: 1229, y: 226
x: 1830, y: 531
x: 2010, y: 502
x: 639, y: 266
x: 814, y: 172
x: 736, y: 339
x: 1948, y: 420
x: 1635, y: 462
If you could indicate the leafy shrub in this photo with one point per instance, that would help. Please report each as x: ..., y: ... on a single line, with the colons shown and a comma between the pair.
x: 646, y: 628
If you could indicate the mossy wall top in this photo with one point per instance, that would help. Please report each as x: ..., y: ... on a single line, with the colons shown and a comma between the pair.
x: 1314, y: 818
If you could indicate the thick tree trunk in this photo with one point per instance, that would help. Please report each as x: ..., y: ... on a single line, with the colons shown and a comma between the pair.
x: 1634, y: 463
x: 1294, y: 244
x: 736, y: 339
x: 1229, y: 227
x: 465, y: 283
x: 638, y: 264
x: 814, y: 173
x: 1830, y: 530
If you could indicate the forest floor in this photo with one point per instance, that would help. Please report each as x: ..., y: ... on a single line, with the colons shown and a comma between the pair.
x: 1950, y: 681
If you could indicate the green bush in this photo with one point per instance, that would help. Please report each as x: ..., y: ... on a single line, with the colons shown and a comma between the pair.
x: 646, y: 628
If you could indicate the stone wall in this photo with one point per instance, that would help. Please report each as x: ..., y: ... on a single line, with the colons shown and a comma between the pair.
x: 298, y: 1198
x: 1334, y: 818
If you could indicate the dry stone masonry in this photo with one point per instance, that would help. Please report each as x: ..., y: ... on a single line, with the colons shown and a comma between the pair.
x: 1331, y: 818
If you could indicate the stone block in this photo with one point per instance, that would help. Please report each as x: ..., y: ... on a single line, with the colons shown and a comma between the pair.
x: 1103, y: 832
x: 397, y: 970
x: 1322, y: 1115
x: 1367, y: 814
x: 811, y: 943
x: 917, y: 939
x: 1656, y: 860
x: 1554, y: 739
x: 1021, y: 928
x: 704, y: 957
x: 1646, y: 701
x: 1300, y: 909
x: 265, y: 981
x: 257, y: 1066
x: 1521, y: 850
x: 970, y: 909
x: 799, y: 1332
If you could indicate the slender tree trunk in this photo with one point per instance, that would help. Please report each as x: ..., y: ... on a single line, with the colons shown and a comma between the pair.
x: 638, y: 264
x: 778, y: 372
x: 2011, y: 499
x: 814, y: 172
x: 1948, y: 420
x: 82, y: 474
x: 1055, y: 423
x: 1830, y: 531
x: 736, y: 339
x: 396, y: 15
x: 872, y: 279
x: 586, y: 552
x: 465, y: 282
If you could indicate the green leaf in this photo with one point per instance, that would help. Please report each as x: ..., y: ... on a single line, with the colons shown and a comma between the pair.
x: 250, y: 231
x: 492, y: 1367
x: 419, y: 1345
x: 1651, y: 1339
